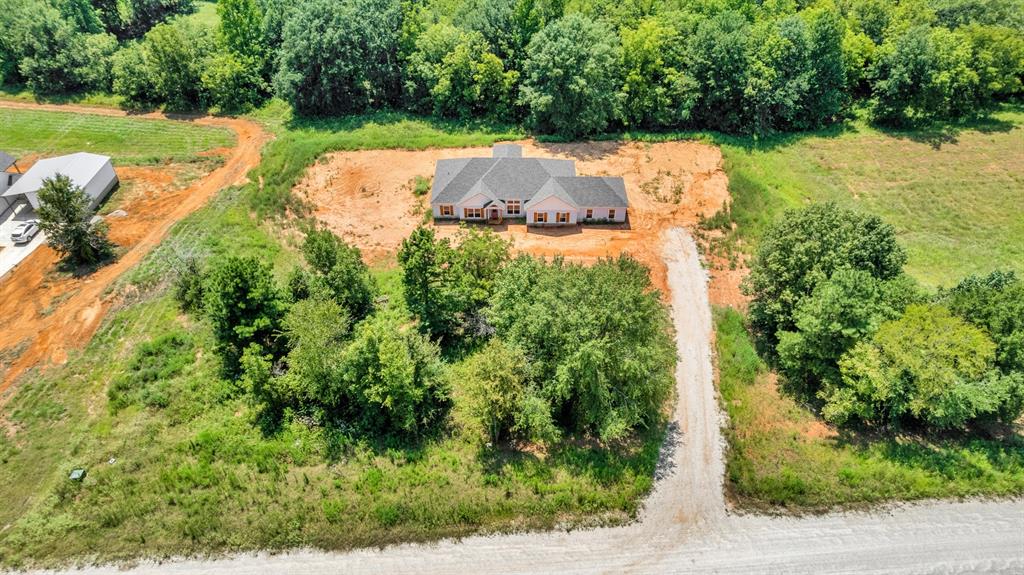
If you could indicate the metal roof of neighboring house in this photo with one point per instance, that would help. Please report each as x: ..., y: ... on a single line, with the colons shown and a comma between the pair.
x: 6, y: 161
x: 81, y: 167
x: 509, y: 176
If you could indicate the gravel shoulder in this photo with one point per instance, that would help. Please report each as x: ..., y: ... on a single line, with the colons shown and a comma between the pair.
x: 685, y: 526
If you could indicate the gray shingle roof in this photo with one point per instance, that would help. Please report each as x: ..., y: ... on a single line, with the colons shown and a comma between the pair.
x: 509, y: 177
x: 597, y: 192
x: 6, y: 161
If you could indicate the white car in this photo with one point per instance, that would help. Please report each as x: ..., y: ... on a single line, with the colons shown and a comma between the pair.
x: 25, y: 232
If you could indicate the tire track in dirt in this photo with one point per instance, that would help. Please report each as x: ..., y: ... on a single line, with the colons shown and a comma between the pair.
x: 73, y: 321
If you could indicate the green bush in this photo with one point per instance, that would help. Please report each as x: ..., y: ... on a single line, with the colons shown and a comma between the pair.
x: 805, y: 247
x: 597, y: 338
x: 392, y: 376
x: 929, y: 367
x: 151, y: 367
x: 244, y: 306
x: 188, y: 285
x: 341, y: 270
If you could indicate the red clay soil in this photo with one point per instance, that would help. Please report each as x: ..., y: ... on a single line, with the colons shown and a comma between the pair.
x: 53, y: 313
x: 366, y: 197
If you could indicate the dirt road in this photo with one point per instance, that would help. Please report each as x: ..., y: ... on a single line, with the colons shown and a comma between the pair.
x: 685, y: 526
x: 75, y: 308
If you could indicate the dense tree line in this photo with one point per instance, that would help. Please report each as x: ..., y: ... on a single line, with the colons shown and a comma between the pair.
x: 833, y: 311
x: 571, y: 68
x: 324, y: 346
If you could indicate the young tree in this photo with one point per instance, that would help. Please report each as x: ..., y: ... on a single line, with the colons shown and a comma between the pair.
x: 717, y: 61
x: 427, y: 276
x: 134, y: 79
x: 928, y: 366
x: 571, y: 77
x: 994, y: 303
x: 342, y: 270
x: 239, y: 78
x: 477, y: 260
x: 606, y: 370
x: 392, y: 375
x: 176, y: 53
x: 656, y: 92
x: 805, y: 247
x: 243, y: 305
x: 65, y: 218
x: 497, y: 394
x: 841, y: 311
x: 233, y: 83
x: 341, y: 57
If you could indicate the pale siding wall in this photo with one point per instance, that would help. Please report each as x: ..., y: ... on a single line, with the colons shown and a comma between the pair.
x: 602, y: 214
x: 551, y: 206
x: 101, y: 185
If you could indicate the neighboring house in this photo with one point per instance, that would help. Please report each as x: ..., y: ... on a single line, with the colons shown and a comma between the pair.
x: 9, y: 174
x: 91, y: 172
x: 541, y: 190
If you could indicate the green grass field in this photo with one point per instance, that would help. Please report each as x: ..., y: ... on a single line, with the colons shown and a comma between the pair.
x: 125, y: 139
x: 781, y: 455
x: 955, y: 195
x: 956, y: 198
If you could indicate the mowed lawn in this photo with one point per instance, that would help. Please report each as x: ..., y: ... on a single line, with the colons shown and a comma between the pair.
x: 956, y: 197
x: 125, y: 139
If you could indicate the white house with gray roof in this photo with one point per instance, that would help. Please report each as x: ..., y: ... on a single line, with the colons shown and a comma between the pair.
x: 91, y: 172
x: 543, y: 191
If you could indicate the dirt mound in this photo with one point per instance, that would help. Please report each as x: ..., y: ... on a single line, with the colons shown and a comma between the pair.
x: 367, y: 197
x: 56, y: 313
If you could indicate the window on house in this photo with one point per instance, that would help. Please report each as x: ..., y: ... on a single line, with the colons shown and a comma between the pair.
x: 540, y: 217
x: 562, y: 217
x: 611, y: 214
x: 590, y: 214
x: 447, y: 211
x: 512, y: 207
x: 470, y: 213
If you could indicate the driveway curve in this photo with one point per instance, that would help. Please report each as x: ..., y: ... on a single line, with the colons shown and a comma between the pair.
x: 685, y: 526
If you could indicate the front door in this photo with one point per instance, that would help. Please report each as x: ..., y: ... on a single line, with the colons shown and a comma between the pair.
x: 495, y: 213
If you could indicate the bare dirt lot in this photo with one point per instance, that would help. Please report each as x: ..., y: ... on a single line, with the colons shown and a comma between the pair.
x: 46, y: 313
x: 367, y: 197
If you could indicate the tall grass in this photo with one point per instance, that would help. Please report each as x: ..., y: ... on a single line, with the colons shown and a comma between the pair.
x: 781, y: 455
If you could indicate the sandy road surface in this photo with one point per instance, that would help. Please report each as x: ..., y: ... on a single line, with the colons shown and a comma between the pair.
x: 685, y: 527
x: 49, y: 336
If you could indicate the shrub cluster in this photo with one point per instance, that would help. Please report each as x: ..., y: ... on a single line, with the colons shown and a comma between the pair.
x: 833, y: 311
x: 522, y: 361
x: 569, y: 68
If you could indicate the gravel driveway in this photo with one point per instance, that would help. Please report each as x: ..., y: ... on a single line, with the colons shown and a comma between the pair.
x: 685, y: 527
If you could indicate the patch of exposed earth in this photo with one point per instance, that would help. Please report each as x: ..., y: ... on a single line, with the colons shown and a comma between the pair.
x: 55, y: 312
x: 367, y: 197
